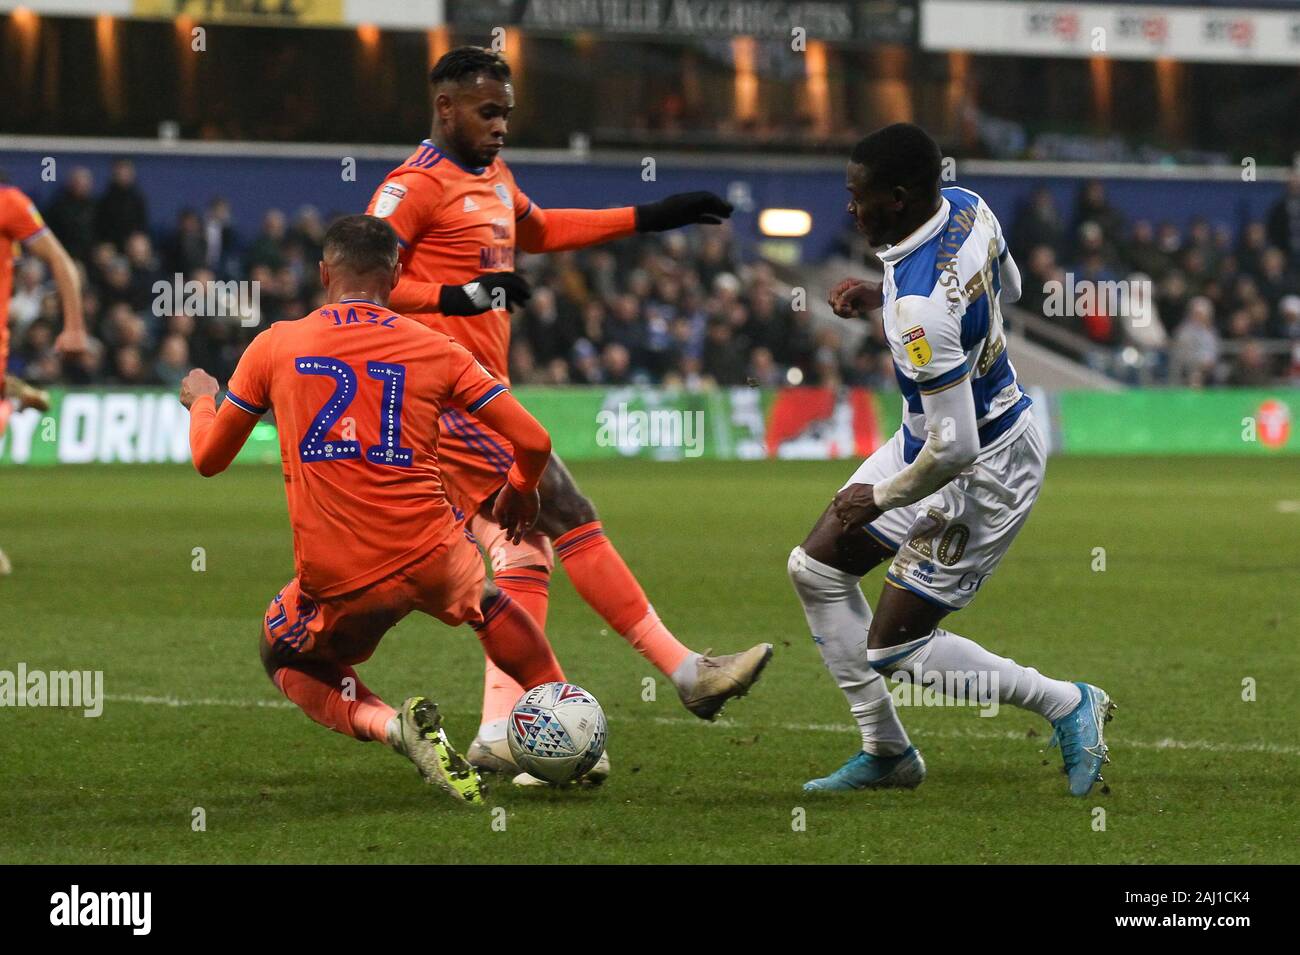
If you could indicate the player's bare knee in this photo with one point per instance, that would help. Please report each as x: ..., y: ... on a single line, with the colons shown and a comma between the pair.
x: 566, y: 511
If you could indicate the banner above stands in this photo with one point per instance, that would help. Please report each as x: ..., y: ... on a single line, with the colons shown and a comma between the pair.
x: 833, y: 21
x: 1210, y: 34
x: 735, y: 424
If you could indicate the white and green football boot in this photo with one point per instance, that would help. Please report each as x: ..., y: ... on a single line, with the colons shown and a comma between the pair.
x: 421, y: 739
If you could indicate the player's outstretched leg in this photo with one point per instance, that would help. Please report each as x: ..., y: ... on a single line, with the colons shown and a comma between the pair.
x: 336, y: 698
x: 308, y: 647
x: 512, y: 638
x: 523, y: 572
x: 905, y: 638
x: 703, y: 682
x: 826, y: 571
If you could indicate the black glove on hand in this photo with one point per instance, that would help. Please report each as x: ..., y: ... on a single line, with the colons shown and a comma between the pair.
x: 683, y: 208
x: 491, y: 290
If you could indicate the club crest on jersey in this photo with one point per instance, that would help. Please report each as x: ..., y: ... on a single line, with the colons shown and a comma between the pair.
x: 918, y: 349
x: 389, y: 198
x: 502, y: 193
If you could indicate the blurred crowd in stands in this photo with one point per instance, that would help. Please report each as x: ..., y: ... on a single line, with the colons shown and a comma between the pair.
x: 678, y: 308
x: 675, y: 308
x: 1198, y: 306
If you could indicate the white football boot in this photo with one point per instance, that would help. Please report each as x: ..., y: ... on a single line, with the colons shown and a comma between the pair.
x: 494, y: 757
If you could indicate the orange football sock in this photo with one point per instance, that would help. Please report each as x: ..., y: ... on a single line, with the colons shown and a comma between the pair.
x: 499, y: 695
x: 6, y: 409
x: 516, y: 644
x: 529, y: 587
x: 602, y: 578
x: 323, y: 695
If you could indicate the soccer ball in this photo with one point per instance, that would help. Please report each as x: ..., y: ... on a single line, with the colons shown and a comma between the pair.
x: 557, y: 732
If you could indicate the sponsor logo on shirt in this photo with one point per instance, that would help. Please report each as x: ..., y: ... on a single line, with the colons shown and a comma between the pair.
x: 470, y: 205
x: 924, y: 572
x: 917, y: 347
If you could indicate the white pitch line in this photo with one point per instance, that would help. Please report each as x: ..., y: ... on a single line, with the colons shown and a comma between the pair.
x: 1120, y: 741
x: 174, y: 702
x: 1209, y: 746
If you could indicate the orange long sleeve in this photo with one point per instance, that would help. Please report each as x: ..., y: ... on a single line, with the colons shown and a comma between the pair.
x: 411, y: 295
x: 558, y: 230
x: 216, y: 436
x: 531, y: 441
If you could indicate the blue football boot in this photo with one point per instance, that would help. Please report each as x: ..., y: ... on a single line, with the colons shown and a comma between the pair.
x: 1079, y: 734
x: 864, y: 771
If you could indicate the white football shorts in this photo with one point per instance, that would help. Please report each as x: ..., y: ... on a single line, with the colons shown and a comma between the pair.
x: 948, y: 544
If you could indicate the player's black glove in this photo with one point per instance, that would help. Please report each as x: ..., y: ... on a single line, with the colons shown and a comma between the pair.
x: 683, y: 208
x: 491, y: 290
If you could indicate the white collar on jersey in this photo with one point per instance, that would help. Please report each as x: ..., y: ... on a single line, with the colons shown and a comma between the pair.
x: 926, y: 231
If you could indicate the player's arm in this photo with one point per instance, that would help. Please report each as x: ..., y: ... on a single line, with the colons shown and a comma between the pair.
x: 518, y: 502
x: 492, y: 290
x: 952, y: 444
x: 217, y: 435
x: 952, y: 432
x: 1010, y: 275
x: 1008, y: 272
x: 23, y: 222
x: 559, y: 230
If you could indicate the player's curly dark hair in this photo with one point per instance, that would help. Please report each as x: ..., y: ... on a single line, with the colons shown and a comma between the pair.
x: 466, y: 62
x: 361, y: 244
x: 901, y: 155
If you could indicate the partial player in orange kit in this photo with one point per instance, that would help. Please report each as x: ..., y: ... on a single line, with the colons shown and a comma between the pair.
x: 357, y: 391
x: 459, y: 216
x: 21, y: 223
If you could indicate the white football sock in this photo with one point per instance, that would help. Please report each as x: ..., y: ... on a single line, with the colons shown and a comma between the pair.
x: 686, y: 674
x: 393, y: 734
x: 839, y: 617
x: 944, y: 652
x: 492, y: 730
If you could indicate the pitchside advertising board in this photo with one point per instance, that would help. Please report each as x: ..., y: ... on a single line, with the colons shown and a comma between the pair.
x: 151, y: 427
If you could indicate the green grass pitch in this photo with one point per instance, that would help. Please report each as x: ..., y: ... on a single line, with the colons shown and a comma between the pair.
x: 1198, y: 594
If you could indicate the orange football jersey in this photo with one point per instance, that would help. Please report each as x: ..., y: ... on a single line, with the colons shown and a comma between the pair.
x: 357, y: 391
x: 455, y: 223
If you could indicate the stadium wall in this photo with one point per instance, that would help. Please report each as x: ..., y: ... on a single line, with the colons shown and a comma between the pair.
x: 337, y: 178
x: 151, y: 427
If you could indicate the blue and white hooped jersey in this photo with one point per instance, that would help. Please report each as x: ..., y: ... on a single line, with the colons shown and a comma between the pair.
x: 942, y: 320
